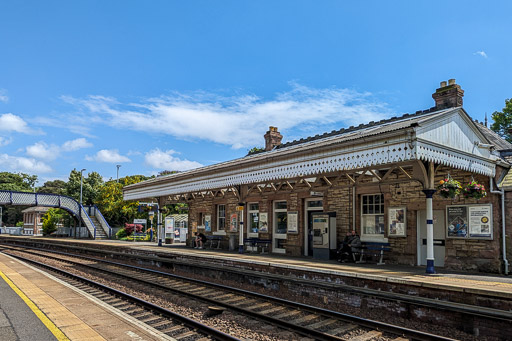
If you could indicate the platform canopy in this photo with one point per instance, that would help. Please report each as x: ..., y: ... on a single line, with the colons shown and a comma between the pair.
x: 446, y: 137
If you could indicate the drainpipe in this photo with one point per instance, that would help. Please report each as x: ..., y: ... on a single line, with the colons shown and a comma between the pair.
x: 504, y: 244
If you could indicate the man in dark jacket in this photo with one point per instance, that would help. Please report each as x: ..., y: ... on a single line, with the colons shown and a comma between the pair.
x: 200, y: 240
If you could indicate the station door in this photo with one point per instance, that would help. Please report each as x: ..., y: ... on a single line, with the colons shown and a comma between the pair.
x: 439, y: 237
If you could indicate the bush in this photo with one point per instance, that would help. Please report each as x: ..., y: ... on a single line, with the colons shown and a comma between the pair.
x: 121, y: 234
x: 19, y: 224
x: 50, y: 220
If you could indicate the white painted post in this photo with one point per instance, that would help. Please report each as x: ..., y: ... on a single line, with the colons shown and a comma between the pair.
x: 241, y: 236
x: 430, y: 231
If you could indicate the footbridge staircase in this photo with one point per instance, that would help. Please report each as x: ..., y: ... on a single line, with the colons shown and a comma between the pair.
x: 90, y: 216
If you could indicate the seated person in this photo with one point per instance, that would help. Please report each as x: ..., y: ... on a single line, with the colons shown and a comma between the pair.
x: 353, y: 245
x: 200, y: 240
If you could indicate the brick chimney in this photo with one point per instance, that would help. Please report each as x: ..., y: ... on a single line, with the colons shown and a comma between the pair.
x: 448, y: 96
x: 272, y: 138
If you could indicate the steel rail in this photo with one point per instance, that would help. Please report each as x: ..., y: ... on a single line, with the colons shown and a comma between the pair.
x: 217, y: 334
x: 414, y: 334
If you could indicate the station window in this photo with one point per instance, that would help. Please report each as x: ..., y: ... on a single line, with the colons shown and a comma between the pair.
x: 372, y: 215
x: 280, y: 217
x: 221, y: 217
x: 253, y: 219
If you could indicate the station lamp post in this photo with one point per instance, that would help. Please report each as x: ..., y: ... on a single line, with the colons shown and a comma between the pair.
x: 118, y: 166
x: 80, y: 208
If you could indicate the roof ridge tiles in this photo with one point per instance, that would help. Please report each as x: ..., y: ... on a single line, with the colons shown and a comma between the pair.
x: 355, y: 128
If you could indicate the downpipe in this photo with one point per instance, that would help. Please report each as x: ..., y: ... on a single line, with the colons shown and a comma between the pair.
x: 504, y: 244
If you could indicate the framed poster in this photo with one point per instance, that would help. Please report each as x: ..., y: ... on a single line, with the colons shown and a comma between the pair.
x: 457, y: 221
x: 293, y: 223
x: 207, y: 223
x: 233, y: 226
x: 263, y: 224
x: 397, y: 222
x: 169, y: 225
x: 480, y: 221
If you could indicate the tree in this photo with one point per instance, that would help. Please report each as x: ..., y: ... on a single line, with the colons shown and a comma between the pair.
x: 55, y: 187
x: 50, y: 221
x: 17, y: 182
x: 20, y: 182
x: 91, y: 185
x: 111, y: 204
x: 503, y: 121
x: 255, y: 150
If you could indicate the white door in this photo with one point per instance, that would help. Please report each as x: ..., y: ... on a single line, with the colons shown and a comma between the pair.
x: 439, y: 237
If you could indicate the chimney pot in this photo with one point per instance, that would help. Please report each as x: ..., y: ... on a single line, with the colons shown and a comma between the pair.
x: 443, y: 84
x: 451, y: 81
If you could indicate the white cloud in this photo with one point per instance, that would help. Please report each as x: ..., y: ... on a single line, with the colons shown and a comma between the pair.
x: 23, y: 164
x: 239, y: 121
x: 480, y: 53
x: 110, y: 156
x: 76, y: 144
x: 165, y: 160
x: 41, y: 150
x: 10, y: 122
x: 3, y: 96
x: 4, y: 141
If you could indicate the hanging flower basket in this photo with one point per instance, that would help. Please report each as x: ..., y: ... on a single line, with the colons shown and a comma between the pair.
x: 474, y: 190
x: 449, y: 188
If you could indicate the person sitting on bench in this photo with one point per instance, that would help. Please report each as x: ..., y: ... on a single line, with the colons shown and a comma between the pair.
x: 200, y: 240
x: 351, y: 244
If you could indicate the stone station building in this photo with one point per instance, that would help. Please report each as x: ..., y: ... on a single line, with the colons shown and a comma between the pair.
x: 379, y: 179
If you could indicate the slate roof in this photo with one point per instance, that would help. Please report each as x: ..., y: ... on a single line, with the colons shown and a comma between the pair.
x: 500, y: 143
x: 362, y: 127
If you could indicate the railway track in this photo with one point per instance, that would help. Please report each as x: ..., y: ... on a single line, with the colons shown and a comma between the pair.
x: 309, y: 321
x: 169, y: 325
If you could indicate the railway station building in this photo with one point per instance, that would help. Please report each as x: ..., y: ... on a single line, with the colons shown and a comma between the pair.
x: 392, y: 181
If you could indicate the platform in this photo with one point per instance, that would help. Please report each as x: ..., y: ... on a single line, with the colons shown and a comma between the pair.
x: 493, y: 285
x: 35, y: 306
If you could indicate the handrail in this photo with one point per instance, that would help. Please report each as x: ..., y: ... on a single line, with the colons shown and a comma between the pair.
x: 98, y: 214
x: 46, y: 200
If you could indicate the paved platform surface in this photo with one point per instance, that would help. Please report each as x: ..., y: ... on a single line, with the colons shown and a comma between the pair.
x: 34, y: 306
x: 478, y: 283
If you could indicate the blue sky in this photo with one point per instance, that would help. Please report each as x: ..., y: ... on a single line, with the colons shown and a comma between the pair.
x: 156, y: 85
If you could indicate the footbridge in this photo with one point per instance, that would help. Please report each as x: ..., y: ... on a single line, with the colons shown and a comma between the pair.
x: 90, y: 216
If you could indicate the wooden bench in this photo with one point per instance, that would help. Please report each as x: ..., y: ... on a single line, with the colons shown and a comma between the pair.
x: 257, y: 242
x: 211, y: 240
x: 372, y: 249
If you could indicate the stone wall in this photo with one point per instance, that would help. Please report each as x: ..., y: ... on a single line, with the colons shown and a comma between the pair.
x: 461, y: 254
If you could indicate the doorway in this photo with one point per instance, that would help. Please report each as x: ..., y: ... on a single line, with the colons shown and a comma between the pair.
x: 311, y: 205
x: 439, y: 237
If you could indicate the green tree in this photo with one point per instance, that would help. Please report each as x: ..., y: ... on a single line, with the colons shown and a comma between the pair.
x: 503, y: 121
x: 50, y: 220
x: 255, y: 150
x: 54, y: 187
x: 20, y: 182
x: 17, y: 182
x: 111, y: 204
x: 91, y: 185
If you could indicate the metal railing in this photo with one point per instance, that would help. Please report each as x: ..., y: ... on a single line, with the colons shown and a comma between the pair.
x: 95, y: 211
x: 49, y: 200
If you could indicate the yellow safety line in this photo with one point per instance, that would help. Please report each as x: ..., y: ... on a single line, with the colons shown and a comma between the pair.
x: 46, y: 321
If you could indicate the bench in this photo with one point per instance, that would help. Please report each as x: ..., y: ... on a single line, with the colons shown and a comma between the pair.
x: 139, y: 236
x: 211, y: 240
x: 257, y: 242
x: 372, y: 249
